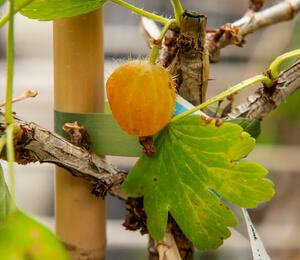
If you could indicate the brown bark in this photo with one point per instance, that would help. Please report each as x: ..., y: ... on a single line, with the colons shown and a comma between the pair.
x: 190, y: 67
x: 255, y: 5
x: 265, y: 100
x: 249, y: 23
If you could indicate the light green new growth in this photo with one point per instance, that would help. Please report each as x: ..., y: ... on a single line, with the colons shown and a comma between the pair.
x: 156, y: 47
x: 178, y: 10
x: 141, y: 12
x: 15, y: 10
x: 234, y: 89
x: 276, y: 63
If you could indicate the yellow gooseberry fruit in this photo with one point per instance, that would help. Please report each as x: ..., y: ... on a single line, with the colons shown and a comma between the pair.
x: 141, y: 96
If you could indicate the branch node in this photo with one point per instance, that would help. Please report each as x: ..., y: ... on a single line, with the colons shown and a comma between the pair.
x: 78, y: 134
x: 255, y: 5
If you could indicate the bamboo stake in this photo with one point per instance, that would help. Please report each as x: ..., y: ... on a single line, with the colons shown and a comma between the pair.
x: 78, y: 87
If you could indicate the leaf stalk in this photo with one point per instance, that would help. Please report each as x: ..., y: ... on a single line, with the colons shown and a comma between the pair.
x: 234, y: 89
x: 11, y: 130
x: 178, y: 11
x: 15, y: 10
x: 2, y: 142
x: 156, y: 47
x: 10, y: 64
x: 141, y: 12
x: 276, y: 63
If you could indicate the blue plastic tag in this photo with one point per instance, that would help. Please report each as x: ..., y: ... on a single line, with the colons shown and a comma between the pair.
x: 181, y: 105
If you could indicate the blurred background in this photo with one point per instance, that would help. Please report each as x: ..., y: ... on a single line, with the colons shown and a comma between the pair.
x: 278, y: 148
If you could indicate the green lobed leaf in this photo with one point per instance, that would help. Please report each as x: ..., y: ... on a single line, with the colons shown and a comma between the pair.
x: 193, y: 159
x: 46, y: 10
x: 23, y: 238
x: 6, y: 203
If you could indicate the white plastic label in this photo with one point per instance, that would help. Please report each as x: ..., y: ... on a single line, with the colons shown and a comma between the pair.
x: 258, y: 250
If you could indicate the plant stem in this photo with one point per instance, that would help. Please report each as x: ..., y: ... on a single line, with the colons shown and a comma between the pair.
x: 10, y: 64
x: 276, y: 63
x: 16, y: 9
x: 141, y: 11
x: 234, y: 89
x: 178, y: 10
x: 11, y: 130
x: 2, y: 142
x: 156, y: 47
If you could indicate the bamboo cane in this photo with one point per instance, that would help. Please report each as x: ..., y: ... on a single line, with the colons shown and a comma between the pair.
x: 78, y: 87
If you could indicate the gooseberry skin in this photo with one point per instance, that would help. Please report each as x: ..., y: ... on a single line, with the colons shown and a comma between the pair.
x: 141, y: 97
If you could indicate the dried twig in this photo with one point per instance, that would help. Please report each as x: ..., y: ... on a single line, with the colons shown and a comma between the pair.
x: 28, y: 94
x: 249, y: 23
x: 167, y: 249
x: 78, y: 134
x: 234, y: 33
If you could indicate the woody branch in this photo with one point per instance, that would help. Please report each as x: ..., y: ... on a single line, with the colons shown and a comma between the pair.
x: 36, y: 144
x: 252, y: 21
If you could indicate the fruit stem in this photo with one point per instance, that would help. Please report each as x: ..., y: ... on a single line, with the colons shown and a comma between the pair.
x: 141, y: 12
x: 276, y: 63
x: 178, y: 10
x: 15, y: 10
x: 159, y: 40
x: 234, y: 89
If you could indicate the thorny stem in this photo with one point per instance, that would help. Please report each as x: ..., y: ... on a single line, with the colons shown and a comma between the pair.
x: 276, y: 63
x: 10, y: 63
x: 156, y: 47
x: 11, y: 130
x: 234, y: 89
x: 141, y: 11
x: 178, y: 10
x: 15, y: 10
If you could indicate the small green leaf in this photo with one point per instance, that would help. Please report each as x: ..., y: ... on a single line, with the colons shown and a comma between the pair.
x: 250, y: 126
x: 23, y: 238
x: 6, y: 203
x: 193, y: 159
x: 46, y: 10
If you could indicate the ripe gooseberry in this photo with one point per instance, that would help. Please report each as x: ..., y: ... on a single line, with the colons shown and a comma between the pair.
x: 141, y: 96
